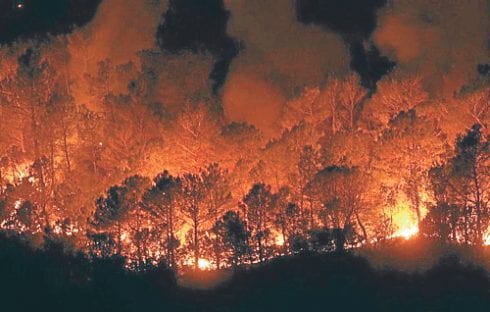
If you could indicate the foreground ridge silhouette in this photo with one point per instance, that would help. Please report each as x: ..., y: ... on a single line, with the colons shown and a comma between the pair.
x: 49, y: 279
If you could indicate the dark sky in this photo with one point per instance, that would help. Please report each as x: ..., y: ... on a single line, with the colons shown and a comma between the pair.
x: 199, y: 26
x: 35, y: 18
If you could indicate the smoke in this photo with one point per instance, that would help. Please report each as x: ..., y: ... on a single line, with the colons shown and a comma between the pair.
x: 122, y: 28
x: 119, y: 30
x: 199, y: 26
x: 354, y: 21
x: 249, y: 98
x: 283, y: 55
x: 443, y: 41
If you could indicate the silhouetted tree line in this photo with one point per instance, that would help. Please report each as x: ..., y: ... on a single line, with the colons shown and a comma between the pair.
x: 461, y: 191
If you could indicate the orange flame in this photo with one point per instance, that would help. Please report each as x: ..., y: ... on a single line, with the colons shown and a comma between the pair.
x: 486, y: 237
x: 404, y: 221
x: 204, y: 264
x: 278, y: 239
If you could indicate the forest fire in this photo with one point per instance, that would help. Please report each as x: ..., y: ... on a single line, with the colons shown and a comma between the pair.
x: 120, y: 203
x: 279, y: 240
x: 203, y: 137
x: 236, y: 194
x: 204, y: 264
x: 486, y: 238
x: 405, y: 222
x: 406, y: 232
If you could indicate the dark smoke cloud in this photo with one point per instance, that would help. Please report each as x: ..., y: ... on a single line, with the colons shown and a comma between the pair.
x: 28, y: 19
x: 118, y: 32
x: 282, y: 57
x: 199, y: 26
x: 369, y: 63
x: 352, y: 18
x: 355, y: 21
x: 443, y: 42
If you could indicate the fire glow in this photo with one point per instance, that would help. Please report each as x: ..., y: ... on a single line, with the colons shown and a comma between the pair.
x: 204, y: 264
x: 150, y: 160
x: 405, y: 223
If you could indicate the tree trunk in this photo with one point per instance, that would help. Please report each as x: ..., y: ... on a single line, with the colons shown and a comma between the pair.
x: 65, y: 147
x: 196, y: 238
x: 119, y: 242
x: 479, y: 231
x: 363, y: 228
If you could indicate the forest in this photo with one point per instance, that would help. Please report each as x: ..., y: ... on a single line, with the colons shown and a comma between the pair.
x: 244, y: 155
x: 126, y: 174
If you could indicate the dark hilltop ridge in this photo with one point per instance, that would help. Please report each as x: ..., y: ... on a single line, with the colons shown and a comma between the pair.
x: 52, y: 280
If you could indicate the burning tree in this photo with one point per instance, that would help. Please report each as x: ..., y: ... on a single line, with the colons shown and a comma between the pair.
x: 161, y: 201
x: 257, y: 206
x: 340, y: 192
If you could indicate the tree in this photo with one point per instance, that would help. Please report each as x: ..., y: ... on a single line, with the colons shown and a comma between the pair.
x: 131, y: 129
x: 216, y: 181
x: 196, y: 133
x: 405, y: 152
x: 344, y: 98
x: 442, y: 220
x: 470, y: 177
x: 232, y: 230
x: 393, y: 96
x: 194, y: 193
x: 29, y: 94
x: 307, y: 167
x: 161, y: 201
x: 340, y: 191
x: 115, y: 207
x: 287, y: 218
x: 258, y: 205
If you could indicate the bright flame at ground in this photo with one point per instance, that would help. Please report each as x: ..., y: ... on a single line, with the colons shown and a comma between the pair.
x: 486, y: 237
x: 406, y: 233
x: 279, y: 240
x: 204, y: 264
x: 405, y: 223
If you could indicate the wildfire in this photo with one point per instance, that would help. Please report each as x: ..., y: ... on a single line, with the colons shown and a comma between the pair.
x: 486, y: 237
x: 405, y: 222
x: 204, y: 264
x: 279, y: 240
x: 19, y: 172
x: 125, y: 237
x: 407, y: 232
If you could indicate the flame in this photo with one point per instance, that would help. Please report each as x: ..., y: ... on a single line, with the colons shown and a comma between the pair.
x: 406, y: 232
x: 19, y: 173
x: 279, y: 240
x: 204, y: 264
x: 486, y: 237
x: 404, y: 221
x: 125, y: 237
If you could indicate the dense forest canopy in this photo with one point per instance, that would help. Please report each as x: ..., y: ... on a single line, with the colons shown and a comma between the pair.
x: 222, y: 150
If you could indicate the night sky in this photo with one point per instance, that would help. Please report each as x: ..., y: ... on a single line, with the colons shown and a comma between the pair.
x: 28, y: 19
